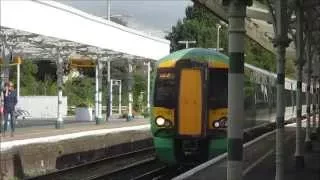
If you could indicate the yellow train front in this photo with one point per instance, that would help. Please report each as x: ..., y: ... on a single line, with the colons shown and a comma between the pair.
x: 189, y: 112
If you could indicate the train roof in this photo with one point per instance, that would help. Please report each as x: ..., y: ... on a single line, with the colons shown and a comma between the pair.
x: 217, y: 59
x: 203, y: 54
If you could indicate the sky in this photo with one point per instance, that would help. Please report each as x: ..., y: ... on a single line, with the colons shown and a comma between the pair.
x: 152, y: 16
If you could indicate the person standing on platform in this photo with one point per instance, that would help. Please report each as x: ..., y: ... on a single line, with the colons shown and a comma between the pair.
x: 1, y: 119
x: 10, y: 102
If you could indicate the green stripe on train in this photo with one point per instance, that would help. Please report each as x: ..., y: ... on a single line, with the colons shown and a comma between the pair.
x: 196, y: 53
x: 165, y: 149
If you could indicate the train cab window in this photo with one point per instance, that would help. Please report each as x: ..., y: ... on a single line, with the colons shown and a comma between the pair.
x: 218, y: 88
x: 165, y: 89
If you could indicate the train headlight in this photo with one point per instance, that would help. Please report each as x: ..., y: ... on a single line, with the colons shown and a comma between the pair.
x: 216, y: 124
x: 221, y: 123
x: 160, y: 121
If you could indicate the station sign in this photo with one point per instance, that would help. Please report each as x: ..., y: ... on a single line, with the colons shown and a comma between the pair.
x: 82, y: 62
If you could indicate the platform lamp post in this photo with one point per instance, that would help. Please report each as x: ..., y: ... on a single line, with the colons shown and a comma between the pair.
x: 218, y: 36
x: 100, y: 90
x: 236, y: 18
x: 187, y: 43
x: 109, y: 105
x: 299, y: 158
x: 18, y: 77
x: 116, y: 82
x: 17, y: 61
x: 109, y: 89
x: 59, y: 122
x: 148, y: 64
x: 130, y: 87
x: 98, y: 94
x: 281, y: 42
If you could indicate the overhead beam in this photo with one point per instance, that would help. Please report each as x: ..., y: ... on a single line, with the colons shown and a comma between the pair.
x: 253, y: 31
x: 251, y: 12
x: 57, y: 20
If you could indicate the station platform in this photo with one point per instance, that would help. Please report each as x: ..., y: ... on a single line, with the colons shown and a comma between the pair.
x: 259, y: 160
x: 265, y: 170
x: 37, y: 131
x: 41, y: 149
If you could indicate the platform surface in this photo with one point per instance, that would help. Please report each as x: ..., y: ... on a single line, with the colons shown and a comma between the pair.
x: 70, y: 128
x: 266, y: 169
x: 259, y: 160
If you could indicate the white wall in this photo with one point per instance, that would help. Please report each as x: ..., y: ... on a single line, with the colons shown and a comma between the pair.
x: 42, y: 106
x: 53, y: 19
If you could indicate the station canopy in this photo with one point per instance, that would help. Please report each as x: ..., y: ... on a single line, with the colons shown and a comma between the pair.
x: 37, y: 47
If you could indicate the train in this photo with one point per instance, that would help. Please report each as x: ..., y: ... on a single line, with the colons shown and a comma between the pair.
x: 189, y: 104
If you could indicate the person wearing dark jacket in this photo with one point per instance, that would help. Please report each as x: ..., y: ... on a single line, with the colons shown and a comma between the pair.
x: 10, y: 101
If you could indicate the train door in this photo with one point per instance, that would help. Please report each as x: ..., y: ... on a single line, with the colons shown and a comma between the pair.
x: 190, y: 102
x: 191, y: 112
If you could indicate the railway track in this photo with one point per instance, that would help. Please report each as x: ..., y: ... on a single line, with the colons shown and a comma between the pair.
x: 136, y: 165
x: 102, y: 166
x: 144, y: 169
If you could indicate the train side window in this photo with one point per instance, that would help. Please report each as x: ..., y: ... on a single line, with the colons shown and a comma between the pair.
x: 165, y: 89
x: 218, y: 88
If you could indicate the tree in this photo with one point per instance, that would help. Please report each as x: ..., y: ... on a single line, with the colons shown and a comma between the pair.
x: 80, y: 91
x: 200, y: 24
x: 28, y: 81
x: 35, y: 79
x: 258, y: 56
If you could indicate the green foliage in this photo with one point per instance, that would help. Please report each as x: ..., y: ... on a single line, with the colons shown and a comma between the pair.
x: 140, y: 85
x: 40, y: 79
x: 29, y: 85
x: 200, y: 25
x: 47, y: 87
x: 32, y: 82
x: 290, y: 69
x: 28, y: 82
x: 80, y: 91
x: 258, y: 56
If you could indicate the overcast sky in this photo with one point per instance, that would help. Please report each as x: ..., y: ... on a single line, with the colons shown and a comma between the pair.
x: 152, y: 16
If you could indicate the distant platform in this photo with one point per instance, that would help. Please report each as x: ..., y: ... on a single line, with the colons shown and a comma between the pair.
x: 41, y: 149
x: 45, y: 134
